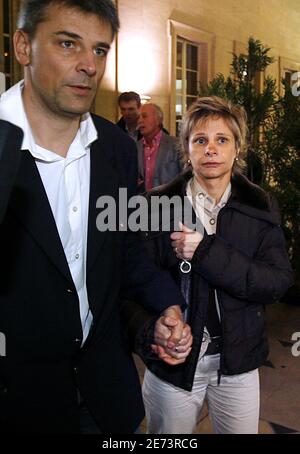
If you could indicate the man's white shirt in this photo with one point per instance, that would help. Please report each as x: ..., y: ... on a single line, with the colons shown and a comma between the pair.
x: 67, y: 185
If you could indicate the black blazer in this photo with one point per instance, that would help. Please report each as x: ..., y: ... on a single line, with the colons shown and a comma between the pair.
x: 10, y: 142
x: 39, y: 309
x: 121, y: 123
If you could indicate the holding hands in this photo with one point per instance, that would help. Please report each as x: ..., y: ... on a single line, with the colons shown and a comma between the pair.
x: 173, y: 337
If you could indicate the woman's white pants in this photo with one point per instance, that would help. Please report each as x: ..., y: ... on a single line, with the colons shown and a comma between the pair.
x: 233, y: 404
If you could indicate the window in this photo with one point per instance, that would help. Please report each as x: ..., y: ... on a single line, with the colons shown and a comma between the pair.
x: 187, y: 77
x: 192, y: 64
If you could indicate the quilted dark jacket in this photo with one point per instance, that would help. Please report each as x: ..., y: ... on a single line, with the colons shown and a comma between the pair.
x: 246, y: 262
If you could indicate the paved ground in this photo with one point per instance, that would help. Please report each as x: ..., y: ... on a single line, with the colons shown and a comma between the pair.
x: 280, y: 376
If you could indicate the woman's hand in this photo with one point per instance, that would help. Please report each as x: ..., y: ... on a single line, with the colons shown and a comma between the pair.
x: 185, y: 242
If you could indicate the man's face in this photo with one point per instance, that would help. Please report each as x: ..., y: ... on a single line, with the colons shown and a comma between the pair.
x: 65, y: 60
x: 130, y: 112
x: 149, y: 123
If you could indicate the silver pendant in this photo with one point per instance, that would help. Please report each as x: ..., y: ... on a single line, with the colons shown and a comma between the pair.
x: 185, y: 266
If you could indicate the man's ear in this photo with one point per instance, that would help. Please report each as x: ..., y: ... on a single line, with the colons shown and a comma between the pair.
x: 22, y: 47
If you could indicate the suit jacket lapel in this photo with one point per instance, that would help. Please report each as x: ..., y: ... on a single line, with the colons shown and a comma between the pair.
x: 30, y: 204
x: 103, y: 182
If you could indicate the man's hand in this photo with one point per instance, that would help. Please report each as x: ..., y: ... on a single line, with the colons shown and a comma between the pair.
x: 173, y: 338
x: 185, y: 242
x: 173, y: 321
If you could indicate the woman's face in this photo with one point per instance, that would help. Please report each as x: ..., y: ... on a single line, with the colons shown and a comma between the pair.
x: 212, y: 150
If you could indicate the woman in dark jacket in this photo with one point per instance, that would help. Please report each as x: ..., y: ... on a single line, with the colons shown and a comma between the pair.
x: 228, y: 273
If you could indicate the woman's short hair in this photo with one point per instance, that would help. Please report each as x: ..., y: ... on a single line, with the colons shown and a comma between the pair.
x: 214, y: 107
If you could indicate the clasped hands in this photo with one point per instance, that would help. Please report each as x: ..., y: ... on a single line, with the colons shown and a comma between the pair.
x: 173, y: 338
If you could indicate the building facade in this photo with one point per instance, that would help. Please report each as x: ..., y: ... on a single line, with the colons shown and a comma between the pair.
x: 167, y: 48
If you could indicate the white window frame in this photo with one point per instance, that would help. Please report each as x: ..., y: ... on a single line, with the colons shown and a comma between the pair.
x: 184, y: 94
x: 205, y: 42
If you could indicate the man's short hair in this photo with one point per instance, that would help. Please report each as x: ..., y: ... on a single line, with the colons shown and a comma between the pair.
x: 158, y: 111
x: 128, y: 96
x: 33, y: 12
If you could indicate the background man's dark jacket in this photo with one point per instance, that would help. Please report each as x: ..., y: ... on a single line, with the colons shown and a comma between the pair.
x: 39, y: 308
x: 121, y: 123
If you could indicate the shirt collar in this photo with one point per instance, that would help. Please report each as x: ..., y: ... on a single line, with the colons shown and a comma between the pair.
x: 132, y: 131
x: 12, y: 110
x: 133, y: 134
x: 197, y: 190
x: 156, y: 139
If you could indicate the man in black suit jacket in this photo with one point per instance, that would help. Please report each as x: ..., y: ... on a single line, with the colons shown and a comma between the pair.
x: 130, y: 104
x: 60, y: 276
x: 10, y: 143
